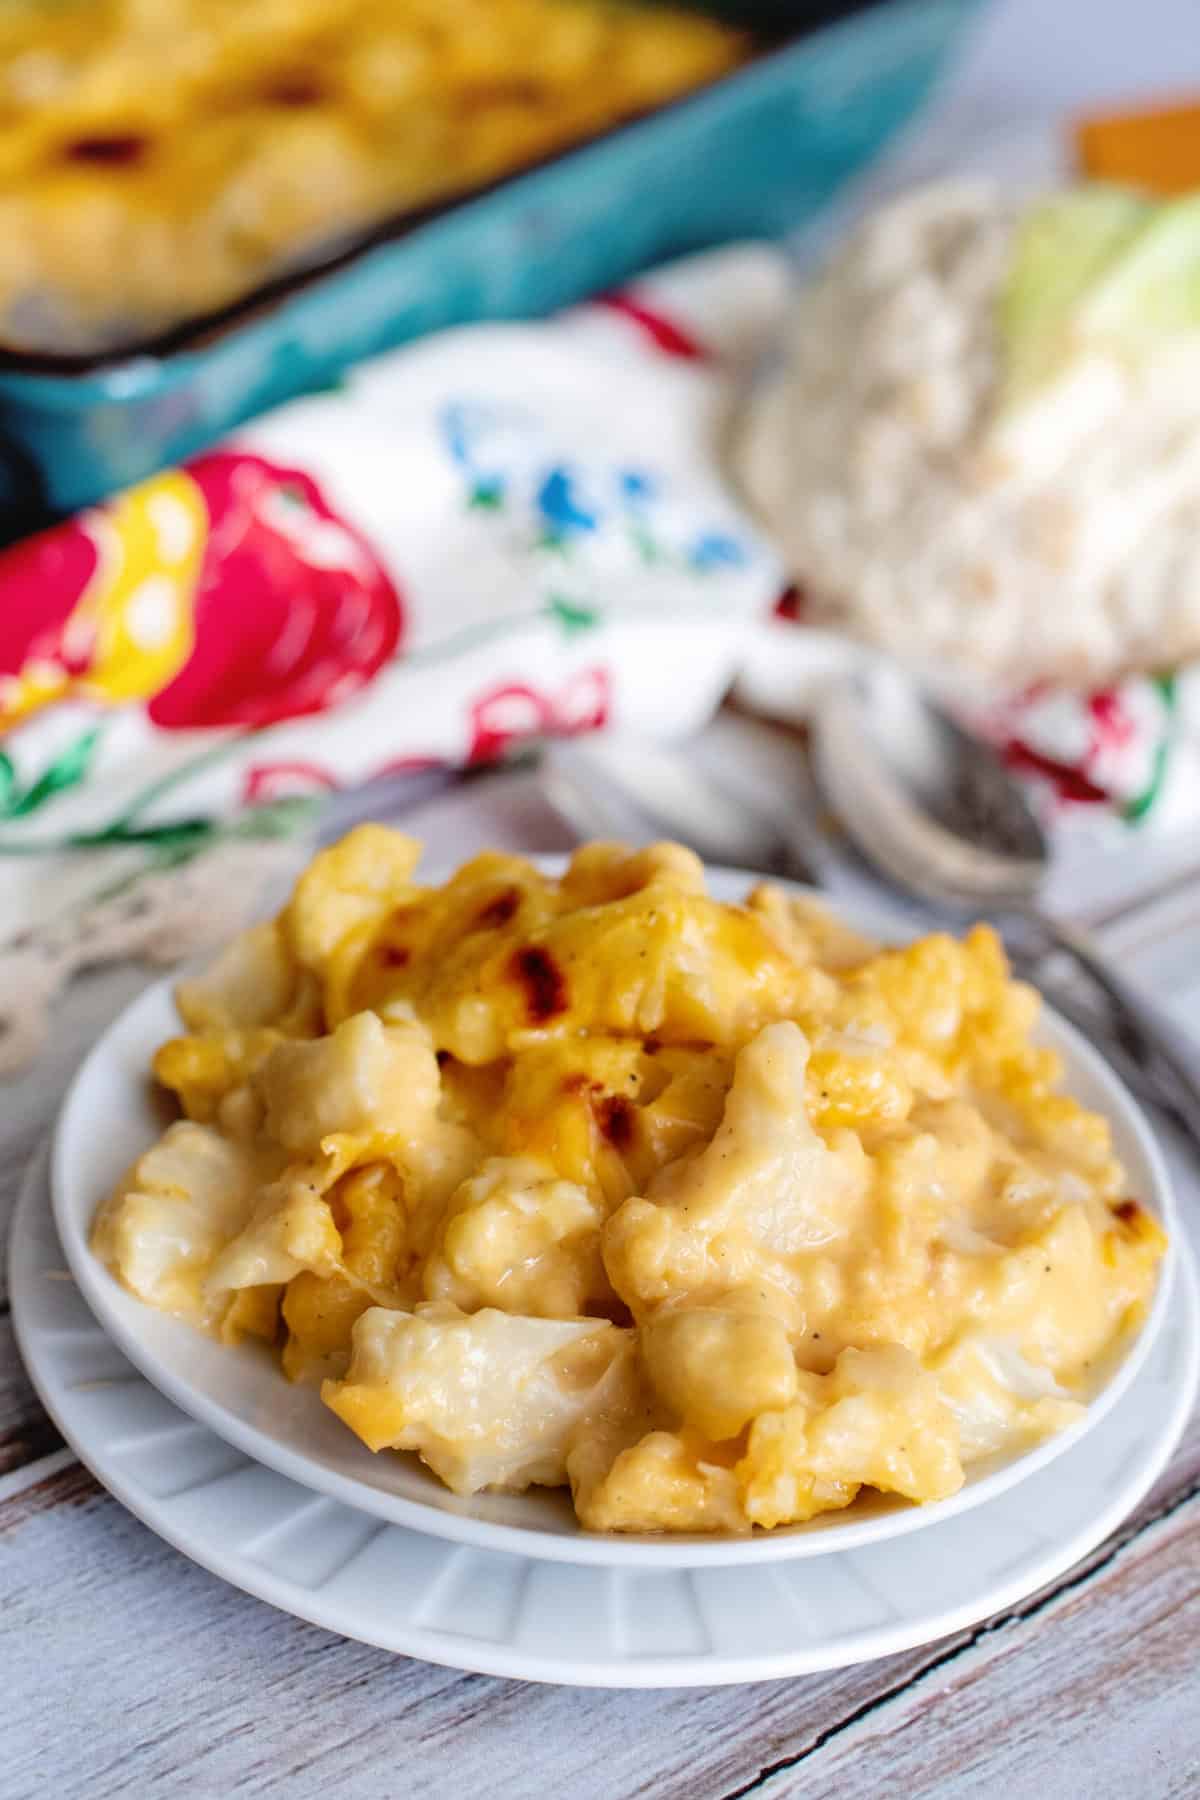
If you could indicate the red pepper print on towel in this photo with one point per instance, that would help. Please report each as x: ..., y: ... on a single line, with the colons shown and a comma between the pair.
x: 223, y: 593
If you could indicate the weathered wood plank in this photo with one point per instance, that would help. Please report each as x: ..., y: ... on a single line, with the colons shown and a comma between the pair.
x: 1101, y: 1681
x: 25, y: 1431
x: 28, y: 1106
x: 181, y: 1680
x: 204, y: 1690
x: 57, y: 1479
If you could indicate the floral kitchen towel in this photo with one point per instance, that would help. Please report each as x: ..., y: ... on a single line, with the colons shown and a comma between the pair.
x: 501, y: 531
x: 498, y: 532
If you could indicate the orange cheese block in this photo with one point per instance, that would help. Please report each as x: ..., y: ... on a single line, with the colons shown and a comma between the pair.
x: 1158, y: 149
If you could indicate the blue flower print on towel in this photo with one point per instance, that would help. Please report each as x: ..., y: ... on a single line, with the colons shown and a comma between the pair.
x: 717, y: 550
x: 464, y: 424
x: 636, y: 486
x: 596, y: 530
x: 561, y: 509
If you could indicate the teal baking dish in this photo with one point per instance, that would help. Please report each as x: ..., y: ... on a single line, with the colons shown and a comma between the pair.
x: 756, y: 152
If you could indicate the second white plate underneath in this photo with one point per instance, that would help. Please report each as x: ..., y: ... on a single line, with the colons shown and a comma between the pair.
x: 512, y: 1615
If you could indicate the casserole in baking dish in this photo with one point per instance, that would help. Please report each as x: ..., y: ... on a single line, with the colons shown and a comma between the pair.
x: 159, y: 162
x: 757, y: 151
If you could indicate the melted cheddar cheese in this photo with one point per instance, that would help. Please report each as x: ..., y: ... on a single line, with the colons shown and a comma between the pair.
x: 716, y: 1213
x: 159, y: 161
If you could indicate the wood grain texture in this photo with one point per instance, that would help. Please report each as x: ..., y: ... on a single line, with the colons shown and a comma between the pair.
x: 25, y: 1431
x: 1110, y: 1684
x: 178, y: 1684
x: 28, y: 1106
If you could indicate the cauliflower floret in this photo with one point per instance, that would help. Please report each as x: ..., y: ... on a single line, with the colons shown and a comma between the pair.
x: 517, y: 1237
x: 999, y: 1398
x: 364, y: 1079
x: 203, y: 1070
x: 488, y: 1400
x: 367, y: 1206
x: 662, y: 1482
x: 253, y: 997
x: 250, y: 983
x: 717, y: 1368
x: 765, y: 1191
x: 290, y: 1229
x: 440, y: 938
x: 353, y: 884
x: 876, y: 1420
x: 666, y: 962
x: 574, y: 1104
x: 1066, y: 1288
x: 171, y: 1215
x: 808, y: 930
x: 600, y: 872
x: 949, y: 1002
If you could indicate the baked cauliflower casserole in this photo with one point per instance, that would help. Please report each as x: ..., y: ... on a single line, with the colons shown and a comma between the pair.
x: 162, y: 158
x: 716, y: 1213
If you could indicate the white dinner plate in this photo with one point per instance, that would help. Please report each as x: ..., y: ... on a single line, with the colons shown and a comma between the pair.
x: 521, y: 1617
x: 112, y: 1114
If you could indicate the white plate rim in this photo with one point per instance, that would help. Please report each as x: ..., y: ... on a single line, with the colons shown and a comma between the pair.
x: 510, y: 1660
x: 108, y: 1301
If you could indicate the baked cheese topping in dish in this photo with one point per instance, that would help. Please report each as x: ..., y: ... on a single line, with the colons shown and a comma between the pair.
x: 718, y: 1214
x: 982, y: 446
x: 158, y: 161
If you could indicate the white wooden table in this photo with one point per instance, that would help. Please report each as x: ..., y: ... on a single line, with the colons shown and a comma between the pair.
x: 126, y: 1670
